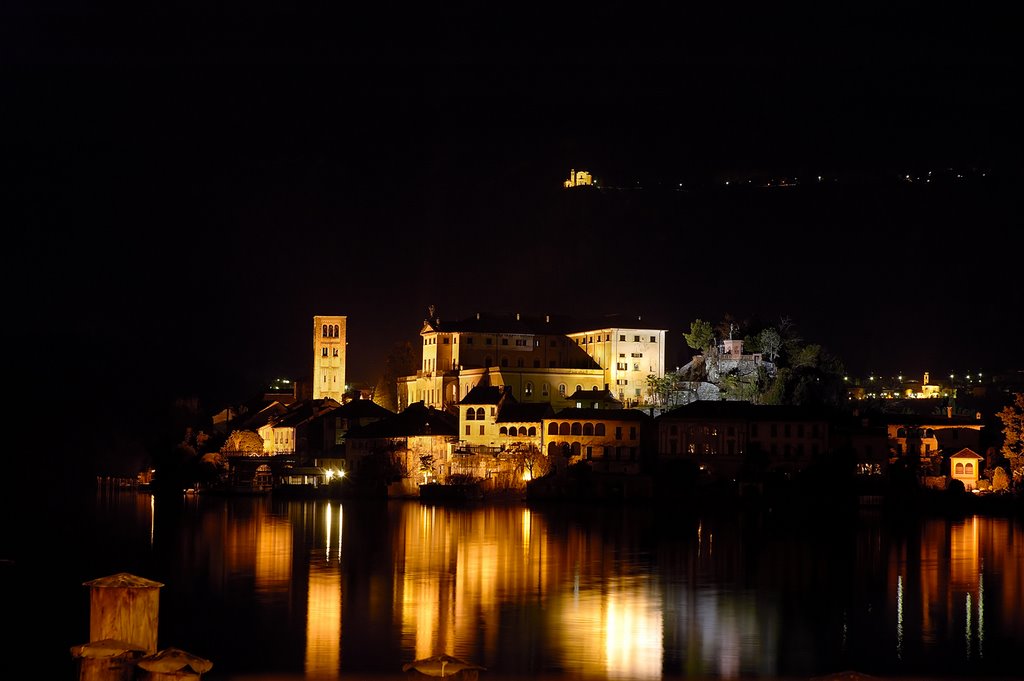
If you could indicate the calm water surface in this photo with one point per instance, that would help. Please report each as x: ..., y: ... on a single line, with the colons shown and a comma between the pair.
x: 332, y: 590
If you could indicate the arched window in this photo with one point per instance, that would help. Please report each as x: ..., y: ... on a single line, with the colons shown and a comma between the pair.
x: 552, y: 428
x: 588, y: 428
x: 578, y: 387
x: 532, y: 432
x: 337, y: 331
x: 561, y: 389
x: 503, y: 431
x: 575, y: 449
x: 576, y: 429
x: 544, y: 390
x: 528, y: 389
x: 471, y: 414
x: 969, y: 469
x: 479, y: 413
x: 325, y: 331
x: 552, y: 448
x: 563, y: 428
x: 959, y: 468
x: 599, y: 429
x: 335, y: 352
x: 522, y: 431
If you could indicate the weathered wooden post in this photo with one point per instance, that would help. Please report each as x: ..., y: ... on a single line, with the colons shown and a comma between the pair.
x: 107, y: 660
x: 172, y: 665
x: 125, y: 608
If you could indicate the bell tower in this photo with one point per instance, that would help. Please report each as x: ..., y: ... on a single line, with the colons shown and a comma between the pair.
x: 329, y: 357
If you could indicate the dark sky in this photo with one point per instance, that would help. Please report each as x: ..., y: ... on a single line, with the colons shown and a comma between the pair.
x: 188, y: 187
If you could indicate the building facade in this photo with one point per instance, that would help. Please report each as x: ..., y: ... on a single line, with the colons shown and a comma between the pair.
x: 329, y: 333
x: 718, y: 437
x: 541, y: 359
x: 627, y: 356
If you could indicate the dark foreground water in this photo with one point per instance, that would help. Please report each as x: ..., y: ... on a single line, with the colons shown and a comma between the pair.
x: 266, y: 588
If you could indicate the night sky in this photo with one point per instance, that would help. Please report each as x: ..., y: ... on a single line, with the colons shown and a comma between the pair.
x: 187, y: 188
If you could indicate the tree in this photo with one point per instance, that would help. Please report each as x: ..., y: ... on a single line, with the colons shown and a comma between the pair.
x: 213, y: 468
x: 728, y: 327
x: 769, y: 343
x: 175, y: 469
x: 1000, y: 481
x: 661, y: 389
x: 1012, y: 417
x: 243, y: 443
x: 528, y: 458
x: 399, y: 362
x: 427, y: 464
x: 701, y: 336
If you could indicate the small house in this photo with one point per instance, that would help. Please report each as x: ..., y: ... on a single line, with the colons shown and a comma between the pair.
x: 965, y: 466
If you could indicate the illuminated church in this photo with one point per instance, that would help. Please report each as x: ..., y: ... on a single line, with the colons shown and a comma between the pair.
x: 534, y: 359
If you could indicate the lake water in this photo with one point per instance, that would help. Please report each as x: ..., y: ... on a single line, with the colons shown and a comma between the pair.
x: 267, y: 588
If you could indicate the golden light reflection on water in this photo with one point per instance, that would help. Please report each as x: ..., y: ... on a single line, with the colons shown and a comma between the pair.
x: 273, y: 554
x: 946, y: 572
x: 506, y: 584
x: 323, y: 613
x: 459, y: 568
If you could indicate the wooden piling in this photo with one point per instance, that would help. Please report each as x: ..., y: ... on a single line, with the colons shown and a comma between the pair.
x: 124, y: 607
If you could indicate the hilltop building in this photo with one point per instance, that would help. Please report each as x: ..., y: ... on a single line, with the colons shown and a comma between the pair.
x: 578, y: 178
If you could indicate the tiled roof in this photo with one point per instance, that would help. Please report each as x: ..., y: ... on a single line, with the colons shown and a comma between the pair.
x: 591, y: 396
x: 362, y: 409
x: 534, y: 324
x: 741, y: 410
x: 589, y: 414
x: 416, y: 419
x: 484, y: 394
x: 261, y: 418
x: 519, y: 412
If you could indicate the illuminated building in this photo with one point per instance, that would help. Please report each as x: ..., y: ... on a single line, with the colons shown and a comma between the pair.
x: 627, y: 355
x: 925, y: 436
x: 416, y: 436
x: 608, y: 439
x: 578, y: 178
x: 965, y: 466
x: 329, y: 334
x: 717, y: 436
x: 541, y: 360
x: 285, y: 433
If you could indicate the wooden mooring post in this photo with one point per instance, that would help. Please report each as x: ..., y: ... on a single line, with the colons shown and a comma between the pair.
x: 126, y: 608
x: 123, y: 620
x: 107, y: 660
